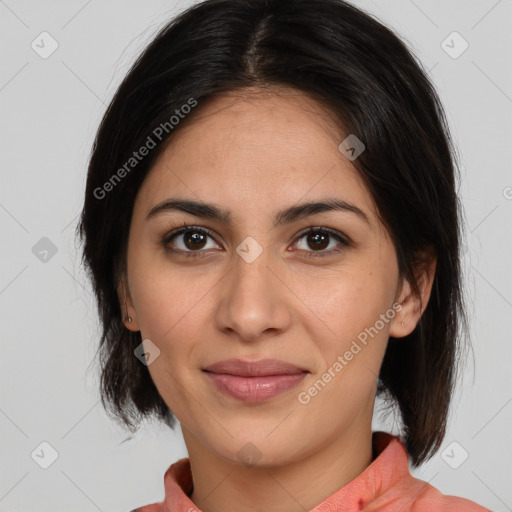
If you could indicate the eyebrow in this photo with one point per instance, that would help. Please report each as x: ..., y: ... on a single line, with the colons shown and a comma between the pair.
x: 286, y: 216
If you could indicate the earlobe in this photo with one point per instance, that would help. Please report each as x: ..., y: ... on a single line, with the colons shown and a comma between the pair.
x: 129, y: 315
x: 413, y: 305
x: 403, y: 323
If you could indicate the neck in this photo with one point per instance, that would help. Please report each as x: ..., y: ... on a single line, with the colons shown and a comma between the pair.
x: 220, y: 483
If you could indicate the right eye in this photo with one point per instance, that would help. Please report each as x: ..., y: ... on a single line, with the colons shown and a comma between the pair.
x: 192, y: 240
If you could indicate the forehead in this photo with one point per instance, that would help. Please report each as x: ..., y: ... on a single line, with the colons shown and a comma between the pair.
x: 254, y: 151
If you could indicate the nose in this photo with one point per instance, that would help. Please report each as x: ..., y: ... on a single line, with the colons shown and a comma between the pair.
x: 254, y: 301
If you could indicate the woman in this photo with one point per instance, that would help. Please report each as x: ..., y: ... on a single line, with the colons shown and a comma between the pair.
x: 272, y: 229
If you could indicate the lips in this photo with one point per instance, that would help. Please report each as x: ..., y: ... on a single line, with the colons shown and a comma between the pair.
x: 260, y: 368
x: 254, y: 381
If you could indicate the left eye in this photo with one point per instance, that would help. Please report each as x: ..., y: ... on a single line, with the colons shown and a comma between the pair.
x: 194, y: 239
x: 319, y: 239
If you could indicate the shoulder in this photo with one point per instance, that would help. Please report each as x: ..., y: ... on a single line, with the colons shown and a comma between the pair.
x: 424, y: 497
x: 155, y: 507
x: 393, y: 487
x: 177, y: 486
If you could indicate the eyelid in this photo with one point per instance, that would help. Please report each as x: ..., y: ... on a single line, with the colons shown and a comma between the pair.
x: 344, y: 240
x: 187, y: 227
x: 333, y: 232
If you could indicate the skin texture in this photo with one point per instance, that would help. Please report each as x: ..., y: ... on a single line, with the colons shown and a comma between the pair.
x: 256, y: 153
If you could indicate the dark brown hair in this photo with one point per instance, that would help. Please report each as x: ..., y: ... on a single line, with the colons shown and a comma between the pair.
x: 369, y: 79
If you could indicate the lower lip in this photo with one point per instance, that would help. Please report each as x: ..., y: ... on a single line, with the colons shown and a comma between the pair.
x: 254, y: 389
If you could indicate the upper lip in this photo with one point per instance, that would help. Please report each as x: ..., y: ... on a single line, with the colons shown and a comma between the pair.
x: 259, y: 368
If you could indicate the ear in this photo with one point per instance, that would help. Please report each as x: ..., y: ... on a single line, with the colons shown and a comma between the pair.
x: 127, y: 308
x: 409, y: 315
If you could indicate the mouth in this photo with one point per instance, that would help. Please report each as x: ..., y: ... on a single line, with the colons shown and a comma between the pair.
x: 254, y: 381
x: 262, y: 368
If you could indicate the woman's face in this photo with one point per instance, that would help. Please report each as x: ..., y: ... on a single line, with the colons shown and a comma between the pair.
x: 259, y: 287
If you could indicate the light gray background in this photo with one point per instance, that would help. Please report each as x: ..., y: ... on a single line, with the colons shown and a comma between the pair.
x: 50, y: 109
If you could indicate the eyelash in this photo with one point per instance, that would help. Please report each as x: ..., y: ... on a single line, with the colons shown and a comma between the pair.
x: 309, y: 254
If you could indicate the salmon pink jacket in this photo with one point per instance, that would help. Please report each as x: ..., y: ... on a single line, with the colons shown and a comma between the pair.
x: 386, y: 485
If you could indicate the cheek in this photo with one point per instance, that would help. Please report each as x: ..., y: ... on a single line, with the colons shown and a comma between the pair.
x: 167, y: 297
x: 169, y: 308
x: 170, y: 317
x: 349, y: 298
x: 351, y: 306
